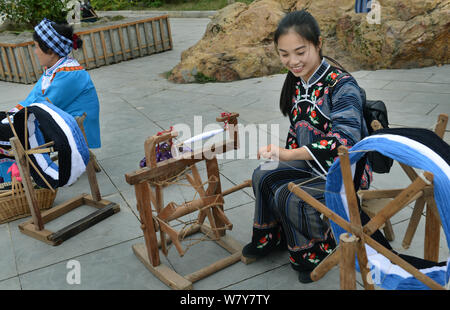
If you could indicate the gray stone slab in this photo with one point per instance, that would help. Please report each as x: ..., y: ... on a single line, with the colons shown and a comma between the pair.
x: 117, y: 167
x: 111, y: 103
x: 105, y: 185
x: 440, y: 109
x: 360, y: 74
x: 126, y: 141
x: 385, y: 94
x: 10, y: 284
x: 285, y: 278
x: 32, y: 254
x: 438, y: 98
x: 423, y: 87
x: 396, y: 107
x: 7, y: 105
x: 8, y: 265
x: 256, y: 116
x: 168, y: 104
x: 115, y: 267
x: 226, y: 103
x: 240, y: 170
x: 372, y: 83
x: 221, y: 89
x: 399, y: 75
x: 439, y: 78
x: 412, y: 120
x: 129, y: 117
x: 14, y: 92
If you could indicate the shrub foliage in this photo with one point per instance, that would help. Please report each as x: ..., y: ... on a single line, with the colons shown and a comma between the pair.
x: 31, y: 12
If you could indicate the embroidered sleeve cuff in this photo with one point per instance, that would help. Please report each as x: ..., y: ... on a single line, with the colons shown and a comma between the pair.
x: 324, y: 152
x: 291, y: 141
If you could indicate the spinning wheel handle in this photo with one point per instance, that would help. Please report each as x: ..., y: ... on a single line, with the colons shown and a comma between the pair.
x: 163, y: 137
x: 230, y: 116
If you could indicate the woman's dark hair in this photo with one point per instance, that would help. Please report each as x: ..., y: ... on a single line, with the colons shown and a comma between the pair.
x: 64, y: 30
x: 303, y: 23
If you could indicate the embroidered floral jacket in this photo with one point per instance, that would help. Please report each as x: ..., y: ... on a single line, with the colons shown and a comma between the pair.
x: 320, y: 123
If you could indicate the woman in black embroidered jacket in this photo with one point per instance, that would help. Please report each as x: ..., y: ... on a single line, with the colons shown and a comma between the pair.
x: 319, y: 124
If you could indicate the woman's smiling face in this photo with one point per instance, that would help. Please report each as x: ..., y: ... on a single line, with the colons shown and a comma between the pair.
x: 298, y: 55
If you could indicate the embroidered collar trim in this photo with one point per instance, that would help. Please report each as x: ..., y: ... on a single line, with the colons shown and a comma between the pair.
x: 318, y: 74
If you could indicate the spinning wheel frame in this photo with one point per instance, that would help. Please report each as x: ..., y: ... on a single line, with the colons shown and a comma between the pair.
x: 209, y: 205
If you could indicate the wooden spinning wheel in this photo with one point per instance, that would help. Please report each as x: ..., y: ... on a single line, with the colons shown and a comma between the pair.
x: 155, y: 217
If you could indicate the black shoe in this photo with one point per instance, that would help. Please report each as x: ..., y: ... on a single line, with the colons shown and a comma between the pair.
x: 326, y: 247
x: 304, y: 277
x: 263, y: 242
x: 305, y: 260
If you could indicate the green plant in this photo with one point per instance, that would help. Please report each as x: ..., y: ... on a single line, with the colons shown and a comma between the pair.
x: 30, y: 12
x: 201, y: 78
x: 108, y: 5
x: 154, y: 3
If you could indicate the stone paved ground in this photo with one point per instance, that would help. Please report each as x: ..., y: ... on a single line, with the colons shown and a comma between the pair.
x: 137, y: 102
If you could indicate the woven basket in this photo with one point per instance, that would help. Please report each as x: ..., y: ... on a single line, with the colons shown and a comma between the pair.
x: 15, y: 205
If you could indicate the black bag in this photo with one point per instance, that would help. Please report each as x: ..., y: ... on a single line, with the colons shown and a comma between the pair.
x: 374, y: 110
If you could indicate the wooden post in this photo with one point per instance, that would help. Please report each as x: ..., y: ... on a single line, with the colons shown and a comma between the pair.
x: 169, y: 33
x: 353, y: 208
x: 86, y: 57
x: 130, y: 44
x: 347, y: 271
x: 8, y: 67
x: 111, y: 39
x: 90, y: 169
x: 13, y: 61
x: 155, y: 40
x: 19, y: 154
x: 105, y: 51
x: 432, y: 231
x: 144, y: 207
x: 413, y: 222
x: 441, y: 125
x: 94, y: 47
x: 326, y: 265
x: 122, y: 44
x: 212, y: 168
